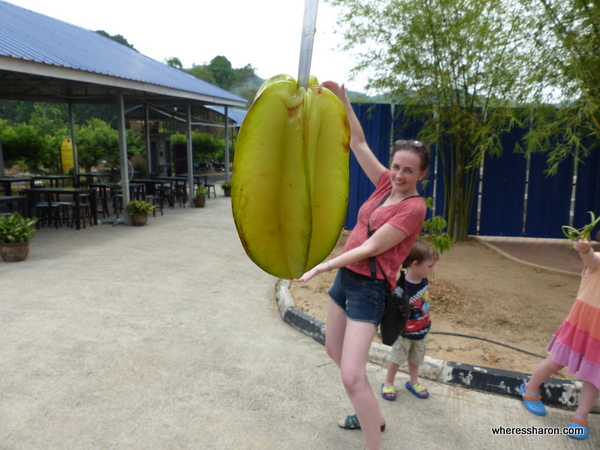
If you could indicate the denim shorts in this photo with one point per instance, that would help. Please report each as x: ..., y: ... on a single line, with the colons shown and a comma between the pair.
x: 361, y: 298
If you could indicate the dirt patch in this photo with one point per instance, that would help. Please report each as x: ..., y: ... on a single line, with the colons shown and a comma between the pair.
x: 476, y: 291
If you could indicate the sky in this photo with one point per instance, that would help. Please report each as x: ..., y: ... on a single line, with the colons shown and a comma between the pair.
x: 263, y: 33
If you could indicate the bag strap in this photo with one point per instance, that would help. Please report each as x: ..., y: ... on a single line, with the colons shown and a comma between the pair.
x: 385, y: 197
x: 373, y: 259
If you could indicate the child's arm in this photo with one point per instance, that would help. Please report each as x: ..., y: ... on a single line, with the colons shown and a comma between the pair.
x: 588, y: 256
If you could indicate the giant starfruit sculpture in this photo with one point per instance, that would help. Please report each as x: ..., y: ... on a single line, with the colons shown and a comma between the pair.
x: 289, y: 188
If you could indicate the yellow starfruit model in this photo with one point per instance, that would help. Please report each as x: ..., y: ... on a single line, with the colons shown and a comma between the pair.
x: 289, y: 188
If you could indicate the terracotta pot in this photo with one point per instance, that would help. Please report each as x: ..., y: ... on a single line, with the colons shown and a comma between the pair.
x: 14, y: 252
x: 199, y: 202
x: 137, y: 220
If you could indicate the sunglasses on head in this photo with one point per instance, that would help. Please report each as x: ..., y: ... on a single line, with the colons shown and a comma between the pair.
x: 410, y: 143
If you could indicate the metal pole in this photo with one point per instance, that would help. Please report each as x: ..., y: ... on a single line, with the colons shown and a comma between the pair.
x: 190, y: 157
x: 148, y: 152
x: 226, y: 143
x: 308, y: 38
x: 123, y: 149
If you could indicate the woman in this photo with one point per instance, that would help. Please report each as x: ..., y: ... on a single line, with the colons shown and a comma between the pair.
x: 392, y: 217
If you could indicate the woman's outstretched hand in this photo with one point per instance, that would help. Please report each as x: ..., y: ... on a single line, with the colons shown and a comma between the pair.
x: 319, y: 268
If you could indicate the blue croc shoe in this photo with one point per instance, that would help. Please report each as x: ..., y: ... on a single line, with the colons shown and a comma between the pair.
x: 533, y: 404
x: 418, y: 390
x: 578, y: 429
x: 388, y: 392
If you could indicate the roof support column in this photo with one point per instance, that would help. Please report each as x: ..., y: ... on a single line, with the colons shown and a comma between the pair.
x: 148, y: 152
x: 226, y: 143
x: 123, y: 152
x: 190, y: 157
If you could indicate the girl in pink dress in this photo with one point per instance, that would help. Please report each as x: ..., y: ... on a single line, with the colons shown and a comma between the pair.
x: 576, y: 346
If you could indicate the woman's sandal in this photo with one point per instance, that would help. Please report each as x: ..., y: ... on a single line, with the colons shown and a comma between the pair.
x: 575, y: 426
x: 388, y: 392
x: 351, y: 423
x: 533, y: 403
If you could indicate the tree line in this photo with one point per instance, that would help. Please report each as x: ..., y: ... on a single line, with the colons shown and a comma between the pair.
x: 219, y: 71
x: 34, y: 144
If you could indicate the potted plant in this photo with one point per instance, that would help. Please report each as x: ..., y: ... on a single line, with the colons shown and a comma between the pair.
x: 15, y: 233
x: 201, y: 194
x: 139, y: 210
x: 226, y: 186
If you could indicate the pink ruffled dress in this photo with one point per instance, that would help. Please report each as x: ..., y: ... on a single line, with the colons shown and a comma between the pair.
x: 576, y: 344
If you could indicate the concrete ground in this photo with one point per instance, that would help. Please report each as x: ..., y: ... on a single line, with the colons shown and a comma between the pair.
x: 168, y: 337
x: 549, y: 253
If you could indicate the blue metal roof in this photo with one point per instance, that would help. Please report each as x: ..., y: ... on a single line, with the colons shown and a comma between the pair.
x: 30, y: 36
x: 235, y: 114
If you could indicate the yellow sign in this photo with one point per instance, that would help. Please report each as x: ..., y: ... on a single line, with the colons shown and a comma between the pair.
x: 66, y: 154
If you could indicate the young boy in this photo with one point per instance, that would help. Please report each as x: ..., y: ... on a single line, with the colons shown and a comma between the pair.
x: 410, y: 346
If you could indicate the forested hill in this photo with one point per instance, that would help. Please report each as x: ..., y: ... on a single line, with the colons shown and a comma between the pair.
x: 241, y: 81
x: 247, y: 87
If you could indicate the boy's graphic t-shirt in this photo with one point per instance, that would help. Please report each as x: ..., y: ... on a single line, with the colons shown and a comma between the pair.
x: 419, y: 321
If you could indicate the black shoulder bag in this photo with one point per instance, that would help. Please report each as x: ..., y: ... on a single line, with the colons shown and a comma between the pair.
x: 397, y: 300
x: 396, y: 314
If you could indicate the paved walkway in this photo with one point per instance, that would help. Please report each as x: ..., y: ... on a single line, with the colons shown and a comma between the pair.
x: 168, y: 337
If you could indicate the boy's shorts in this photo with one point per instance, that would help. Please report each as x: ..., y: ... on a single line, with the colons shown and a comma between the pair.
x: 408, y: 349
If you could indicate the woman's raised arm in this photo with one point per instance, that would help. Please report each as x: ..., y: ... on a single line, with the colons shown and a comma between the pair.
x: 365, y: 156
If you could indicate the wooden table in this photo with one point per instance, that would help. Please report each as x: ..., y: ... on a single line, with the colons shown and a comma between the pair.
x: 10, y: 200
x: 137, y: 191
x: 86, y: 178
x: 8, y: 181
x: 56, y: 180
x: 196, y: 178
x: 179, y: 185
x: 152, y: 185
x: 75, y: 193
